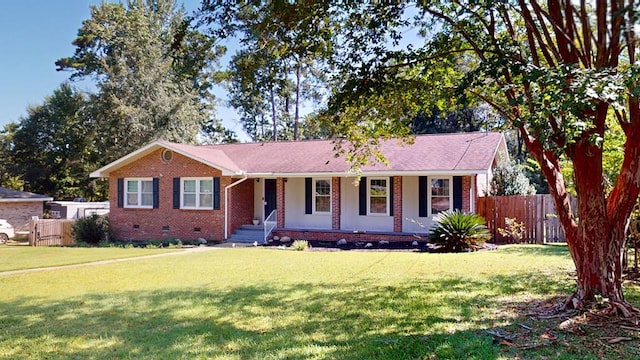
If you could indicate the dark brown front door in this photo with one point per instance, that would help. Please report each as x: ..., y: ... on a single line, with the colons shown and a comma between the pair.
x: 270, y: 197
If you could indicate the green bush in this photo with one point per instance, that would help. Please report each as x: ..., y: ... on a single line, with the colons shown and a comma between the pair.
x: 456, y: 231
x: 92, y: 229
x: 510, y: 179
x: 300, y: 245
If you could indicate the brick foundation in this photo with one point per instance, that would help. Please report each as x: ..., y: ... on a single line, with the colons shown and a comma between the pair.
x: 318, y: 235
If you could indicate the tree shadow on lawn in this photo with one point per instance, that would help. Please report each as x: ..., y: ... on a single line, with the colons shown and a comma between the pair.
x: 541, y: 250
x: 445, y: 318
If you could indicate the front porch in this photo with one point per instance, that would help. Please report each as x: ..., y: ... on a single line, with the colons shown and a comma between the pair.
x: 376, y: 208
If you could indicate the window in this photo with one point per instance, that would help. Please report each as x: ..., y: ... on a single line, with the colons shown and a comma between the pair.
x: 378, y: 196
x: 197, y: 193
x: 440, y: 195
x: 139, y: 193
x: 322, y: 196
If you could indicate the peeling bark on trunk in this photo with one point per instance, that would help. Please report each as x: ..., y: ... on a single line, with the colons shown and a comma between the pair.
x: 596, y: 238
x: 598, y: 244
x: 597, y: 249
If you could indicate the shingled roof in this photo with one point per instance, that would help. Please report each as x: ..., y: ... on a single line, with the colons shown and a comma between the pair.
x: 441, y: 153
x: 10, y: 195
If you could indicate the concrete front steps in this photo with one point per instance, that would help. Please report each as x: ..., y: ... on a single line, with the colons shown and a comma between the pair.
x: 248, y: 234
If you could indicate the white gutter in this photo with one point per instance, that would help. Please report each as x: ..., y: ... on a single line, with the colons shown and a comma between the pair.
x: 372, y: 173
x: 226, y: 204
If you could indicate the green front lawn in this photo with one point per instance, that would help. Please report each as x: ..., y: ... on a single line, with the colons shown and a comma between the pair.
x: 257, y: 303
x: 21, y: 257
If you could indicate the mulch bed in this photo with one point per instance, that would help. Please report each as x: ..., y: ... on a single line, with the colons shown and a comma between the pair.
x: 319, y: 245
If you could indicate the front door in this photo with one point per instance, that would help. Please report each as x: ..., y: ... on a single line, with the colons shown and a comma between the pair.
x: 270, y: 197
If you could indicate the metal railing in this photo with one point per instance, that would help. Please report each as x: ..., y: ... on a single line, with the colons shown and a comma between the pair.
x: 270, y: 223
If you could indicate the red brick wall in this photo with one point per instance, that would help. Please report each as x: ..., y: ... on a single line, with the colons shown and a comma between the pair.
x: 397, y: 203
x: 466, y: 193
x: 241, y: 203
x: 336, y: 204
x: 150, y: 221
x: 280, y: 192
x: 18, y: 214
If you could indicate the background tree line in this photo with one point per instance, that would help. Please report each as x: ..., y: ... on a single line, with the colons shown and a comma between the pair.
x: 154, y: 67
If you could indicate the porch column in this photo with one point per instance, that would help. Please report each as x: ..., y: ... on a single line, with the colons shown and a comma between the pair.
x: 280, y: 200
x: 466, y: 193
x: 397, y: 204
x: 474, y: 193
x: 335, y: 203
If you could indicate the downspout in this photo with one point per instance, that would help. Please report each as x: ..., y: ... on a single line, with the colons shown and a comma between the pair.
x: 226, y: 204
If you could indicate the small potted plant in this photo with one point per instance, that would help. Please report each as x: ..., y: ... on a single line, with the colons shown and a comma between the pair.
x: 256, y: 221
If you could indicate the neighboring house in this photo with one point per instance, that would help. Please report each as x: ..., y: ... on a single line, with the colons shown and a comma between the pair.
x: 18, y: 207
x: 77, y: 209
x: 168, y: 190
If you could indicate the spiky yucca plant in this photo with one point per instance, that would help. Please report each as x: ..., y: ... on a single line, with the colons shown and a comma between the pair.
x: 300, y: 245
x: 456, y: 231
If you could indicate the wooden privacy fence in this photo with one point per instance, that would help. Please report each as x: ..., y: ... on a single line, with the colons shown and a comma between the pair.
x: 49, y: 232
x: 537, y: 212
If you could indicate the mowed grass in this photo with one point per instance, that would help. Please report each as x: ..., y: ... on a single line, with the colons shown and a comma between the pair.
x: 258, y: 303
x: 26, y: 257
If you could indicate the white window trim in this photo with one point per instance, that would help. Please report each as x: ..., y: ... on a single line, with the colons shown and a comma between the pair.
x: 315, y: 196
x: 198, y: 193
x: 369, y: 213
x: 429, y: 193
x: 139, y: 192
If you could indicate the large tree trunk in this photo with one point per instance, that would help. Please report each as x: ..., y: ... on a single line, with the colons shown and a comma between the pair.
x: 597, y: 244
x: 598, y: 260
x: 596, y: 238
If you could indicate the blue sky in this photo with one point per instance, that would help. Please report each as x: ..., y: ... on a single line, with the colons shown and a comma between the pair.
x: 33, y: 35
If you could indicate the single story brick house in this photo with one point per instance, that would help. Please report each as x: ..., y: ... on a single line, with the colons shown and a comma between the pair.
x: 301, y: 189
x: 18, y: 207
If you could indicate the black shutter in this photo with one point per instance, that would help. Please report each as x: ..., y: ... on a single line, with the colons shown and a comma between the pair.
x: 391, y: 195
x: 457, y: 193
x: 423, y: 188
x: 363, y: 196
x: 308, y: 195
x: 156, y: 193
x: 120, y: 192
x: 176, y: 193
x: 216, y: 193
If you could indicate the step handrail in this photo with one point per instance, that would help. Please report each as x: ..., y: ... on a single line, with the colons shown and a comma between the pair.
x: 270, y: 223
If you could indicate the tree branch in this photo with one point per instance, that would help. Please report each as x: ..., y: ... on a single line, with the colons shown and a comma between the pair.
x: 532, y: 31
x: 477, y: 49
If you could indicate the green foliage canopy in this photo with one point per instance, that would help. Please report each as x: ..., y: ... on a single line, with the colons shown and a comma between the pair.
x: 151, y: 71
x: 52, y: 147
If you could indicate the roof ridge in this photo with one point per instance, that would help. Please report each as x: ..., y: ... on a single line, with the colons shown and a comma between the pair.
x: 464, y: 133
